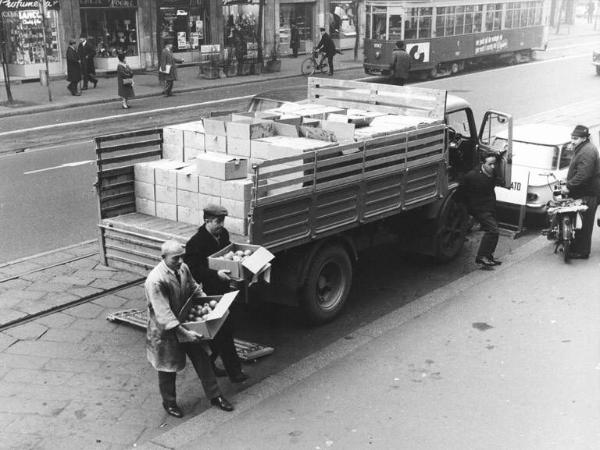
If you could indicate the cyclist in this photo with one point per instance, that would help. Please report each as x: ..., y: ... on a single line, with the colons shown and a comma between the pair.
x: 327, y: 47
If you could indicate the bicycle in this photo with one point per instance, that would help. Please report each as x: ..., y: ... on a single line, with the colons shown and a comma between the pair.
x: 310, y: 65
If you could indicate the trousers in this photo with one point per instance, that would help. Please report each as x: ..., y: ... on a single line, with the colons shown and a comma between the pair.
x: 168, y: 87
x: 223, y: 345
x: 201, y: 362
x: 583, y: 238
x: 491, y: 233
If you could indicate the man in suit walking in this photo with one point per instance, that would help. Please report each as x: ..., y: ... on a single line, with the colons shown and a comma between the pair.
x: 73, y: 68
x: 168, y: 68
x: 86, y: 52
x: 327, y: 46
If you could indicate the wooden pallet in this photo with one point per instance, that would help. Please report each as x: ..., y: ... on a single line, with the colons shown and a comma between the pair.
x: 247, y: 351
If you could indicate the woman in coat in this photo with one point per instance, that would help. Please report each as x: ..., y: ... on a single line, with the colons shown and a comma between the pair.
x: 124, y: 80
x: 168, y: 61
x: 294, y: 40
x: 73, y: 68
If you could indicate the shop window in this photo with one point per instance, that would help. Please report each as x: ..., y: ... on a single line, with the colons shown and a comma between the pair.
x: 184, y: 24
x: 113, y: 30
x: 301, y: 15
x: 341, y: 19
x: 24, y: 34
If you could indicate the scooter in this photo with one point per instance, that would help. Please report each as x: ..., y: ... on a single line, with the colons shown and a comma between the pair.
x: 564, y: 216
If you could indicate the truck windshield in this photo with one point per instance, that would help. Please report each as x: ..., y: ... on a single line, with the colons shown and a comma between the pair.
x: 534, y: 156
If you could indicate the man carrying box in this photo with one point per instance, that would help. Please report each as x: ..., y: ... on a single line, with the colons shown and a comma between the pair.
x: 168, y: 287
x: 211, y: 237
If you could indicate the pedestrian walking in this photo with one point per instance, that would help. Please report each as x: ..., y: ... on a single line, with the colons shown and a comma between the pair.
x: 167, y: 288
x: 73, y: 68
x: 211, y: 237
x: 86, y: 51
x: 400, y: 67
x: 168, y: 68
x: 583, y: 182
x: 294, y: 39
x: 241, y: 48
x: 327, y: 46
x: 124, y: 80
x: 478, y: 192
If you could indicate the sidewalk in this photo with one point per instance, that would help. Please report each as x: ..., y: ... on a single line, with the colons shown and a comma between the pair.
x: 31, y: 97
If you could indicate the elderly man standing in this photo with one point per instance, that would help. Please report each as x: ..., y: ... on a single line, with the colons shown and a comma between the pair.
x: 583, y: 182
x: 168, y: 287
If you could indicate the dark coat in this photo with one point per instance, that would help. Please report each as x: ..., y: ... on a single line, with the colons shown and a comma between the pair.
x: 124, y: 72
x: 241, y: 48
x: 86, y: 54
x: 477, y: 190
x: 294, y: 38
x: 167, y: 58
x: 401, y: 63
x: 165, y: 297
x: 73, y: 67
x: 197, y: 250
x: 327, y: 45
x: 583, y: 177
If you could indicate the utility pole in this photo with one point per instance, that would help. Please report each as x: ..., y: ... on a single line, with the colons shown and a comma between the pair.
x: 43, y: 13
x: 4, y: 61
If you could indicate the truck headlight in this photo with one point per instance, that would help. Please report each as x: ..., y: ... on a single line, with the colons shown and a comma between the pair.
x: 377, y: 55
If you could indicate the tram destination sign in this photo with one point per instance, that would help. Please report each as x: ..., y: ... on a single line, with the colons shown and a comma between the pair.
x: 24, y: 5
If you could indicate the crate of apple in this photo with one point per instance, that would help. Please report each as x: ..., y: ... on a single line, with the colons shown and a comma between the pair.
x: 200, y: 311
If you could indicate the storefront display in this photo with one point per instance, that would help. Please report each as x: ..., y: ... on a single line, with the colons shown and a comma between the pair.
x: 112, y: 27
x: 183, y: 23
x: 300, y: 14
x: 342, y: 26
x: 24, y: 35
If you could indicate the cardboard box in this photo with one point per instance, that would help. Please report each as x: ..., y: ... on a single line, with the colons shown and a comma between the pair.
x: 173, y: 136
x: 215, y: 143
x: 253, y: 263
x: 275, y: 147
x: 252, y: 129
x: 235, y: 208
x: 144, y: 171
x: 210, y: 325
x: 188, y: 199
x: 165, y: 172
x: 187, y: 179
x: 194, y: 142
x: 237, y: 225
x: 238, y: 147
x: 209, y: 186
x: 221, y: 167
x: 192, y: 216
x: 145, y: 206
x: 216, y: 125
x: 166, y: 194
x: 166, y: 211
x: 205, y: 199
x: 144, y: 190
x: 173, y: 152
x: 240, y: 190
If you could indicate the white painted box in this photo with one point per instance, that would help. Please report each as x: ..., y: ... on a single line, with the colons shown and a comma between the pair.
x: 216, y: 125
x: 166, y: 194
x: 145, y: 206
x: 215, y: 143
x: 240, y: 190
x: 144, y: 190
x: 166, y: 210
x: 188, y: 199
x: 206, y: 199
x: 222, y: 167
x: 187, y: 179
x: 210, y: 186
x: 189, y: 215
x: 251, y: 129
x: 165, y: 172
x: 236, y: 208
x: 238, y: 147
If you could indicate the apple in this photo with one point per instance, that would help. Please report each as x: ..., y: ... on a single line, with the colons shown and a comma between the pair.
x: 213, y: 303
x: 247, y: 252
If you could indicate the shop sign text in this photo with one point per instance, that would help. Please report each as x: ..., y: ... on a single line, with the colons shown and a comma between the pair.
x: 16, y: 5
x: 107, y: 3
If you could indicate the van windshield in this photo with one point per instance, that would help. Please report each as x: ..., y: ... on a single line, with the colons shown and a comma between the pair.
x: 534, y: 156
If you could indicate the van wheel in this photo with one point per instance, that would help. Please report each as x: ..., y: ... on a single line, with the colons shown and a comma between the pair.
x: 327, y: 284
x: 452, y: 228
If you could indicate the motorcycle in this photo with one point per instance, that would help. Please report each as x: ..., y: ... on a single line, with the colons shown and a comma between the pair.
x: 565, y: 218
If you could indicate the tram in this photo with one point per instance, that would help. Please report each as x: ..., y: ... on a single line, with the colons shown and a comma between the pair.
x: 443, y: 36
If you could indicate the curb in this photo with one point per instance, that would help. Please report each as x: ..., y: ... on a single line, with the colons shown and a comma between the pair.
x: 208, y: 421
x: 49, y: 252
x: 57, y: 107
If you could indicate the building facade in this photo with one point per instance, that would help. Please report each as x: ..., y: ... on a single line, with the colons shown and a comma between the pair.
x: 139, y: 28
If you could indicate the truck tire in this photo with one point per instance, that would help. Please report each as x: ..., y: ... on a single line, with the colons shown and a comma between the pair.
x: 327, y: 284
x: 453, y: 223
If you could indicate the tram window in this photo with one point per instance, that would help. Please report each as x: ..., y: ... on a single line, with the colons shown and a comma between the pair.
x: 368, y: 24
x: 439, y: 21
x: 493, y: 17
x: 523, y: 17
x: 460, y: 20
x: 469, y: 19
x: 379, y: 31
x: 411, y: 23
x: 425, y: 22
x: 449, y: 29
x: 478, y: 19
x: 395, y: 27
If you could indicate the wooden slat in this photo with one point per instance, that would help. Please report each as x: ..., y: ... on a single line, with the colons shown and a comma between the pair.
x: 126, y: 158
x: 127, y: 134
x: 129, y: 146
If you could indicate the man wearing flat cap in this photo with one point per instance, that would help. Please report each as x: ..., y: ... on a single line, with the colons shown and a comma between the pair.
x: 327, y: 46
x: 211, y: 237
x: 73, y: 68
x: 583, y: 182
x: 168, y: 286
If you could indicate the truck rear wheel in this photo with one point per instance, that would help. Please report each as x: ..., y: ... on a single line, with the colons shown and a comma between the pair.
x: 452, y: 229
x: 327, y: 284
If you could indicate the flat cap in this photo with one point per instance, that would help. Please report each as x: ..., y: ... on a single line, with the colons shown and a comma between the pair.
x: 213, y: 210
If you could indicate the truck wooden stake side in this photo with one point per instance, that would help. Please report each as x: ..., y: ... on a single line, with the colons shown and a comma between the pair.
x: 317, y: 210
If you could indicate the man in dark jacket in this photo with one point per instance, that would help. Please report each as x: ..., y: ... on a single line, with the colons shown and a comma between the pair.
x: 400, y: 66
x: 73, y: 68
x: 478, y: 191
x: 210, y: 238
x: 327, y: 46
x: 583, y: 182
x: 168, y: 68
x: 86, y: 53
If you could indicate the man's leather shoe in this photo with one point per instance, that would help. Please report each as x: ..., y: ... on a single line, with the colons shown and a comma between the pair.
x: 485, y: 261
x: 222, y: 403
x: 95, y: 83
x: 173, y: 410
x: 496, y: 262
x: 238, y: 377
x: 574, y: 255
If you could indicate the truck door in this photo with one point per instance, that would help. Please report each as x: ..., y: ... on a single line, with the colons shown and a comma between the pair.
x: 495, y: 123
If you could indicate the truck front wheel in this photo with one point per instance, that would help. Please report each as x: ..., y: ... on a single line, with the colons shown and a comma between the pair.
x: 452, y: 228
x: 327, y: 284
